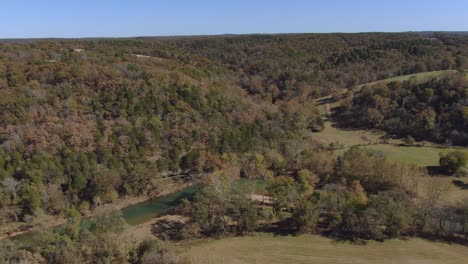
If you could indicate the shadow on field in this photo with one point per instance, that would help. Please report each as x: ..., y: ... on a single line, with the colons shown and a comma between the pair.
x: 282, y: 228
x: 434, y: 170
x: 460, y: 184
x: 460, y: 240
x: 349, y: 240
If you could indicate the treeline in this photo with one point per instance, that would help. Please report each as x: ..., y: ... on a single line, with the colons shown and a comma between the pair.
x: 435, y: 110
x: 365, y: 197
x: 291, y: 190
x: 102, y: 243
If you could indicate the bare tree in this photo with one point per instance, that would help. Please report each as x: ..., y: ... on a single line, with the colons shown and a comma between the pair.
x: 11, y: 185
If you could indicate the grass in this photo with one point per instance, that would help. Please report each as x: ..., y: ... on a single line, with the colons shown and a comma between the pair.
x: 455, y: 193
x: 427, y: 155
x: 257, y: 185
x: 269, y: 249
x: 346, y: 138
x: 422, y: 156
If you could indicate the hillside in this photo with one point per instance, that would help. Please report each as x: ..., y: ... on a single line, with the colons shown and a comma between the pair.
x: 95, y: 122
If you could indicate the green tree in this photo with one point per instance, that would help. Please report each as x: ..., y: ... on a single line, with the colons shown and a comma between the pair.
x: 73, y: 226
x: 305, y: 215
x: 453, y: 161
x: 306, y: 181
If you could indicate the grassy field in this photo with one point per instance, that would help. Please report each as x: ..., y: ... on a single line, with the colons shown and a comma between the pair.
x: 268, y: 249
x: 346, y: 138
x: 427, y: 155
x: 422, y: 156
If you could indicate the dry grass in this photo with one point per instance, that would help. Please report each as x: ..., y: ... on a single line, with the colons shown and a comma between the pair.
x: 266, y: 248
x: 454, y: 193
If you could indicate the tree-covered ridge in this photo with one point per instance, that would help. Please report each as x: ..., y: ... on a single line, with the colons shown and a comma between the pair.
x: 92, y: 120
x: 85, y: 122
x: 87, y: 126
x: 285, y: 66
x: 433, y: 110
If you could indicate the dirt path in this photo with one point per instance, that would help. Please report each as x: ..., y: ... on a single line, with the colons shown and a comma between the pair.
x: 262, y: 198
x: 327, y: 109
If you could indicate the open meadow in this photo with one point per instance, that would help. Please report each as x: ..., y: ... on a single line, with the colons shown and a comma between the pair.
x: 269, y: 249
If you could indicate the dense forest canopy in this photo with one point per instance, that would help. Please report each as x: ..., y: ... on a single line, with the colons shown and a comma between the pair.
x: 435, y: 110
x: 94, y: 119
x: 84, y: 122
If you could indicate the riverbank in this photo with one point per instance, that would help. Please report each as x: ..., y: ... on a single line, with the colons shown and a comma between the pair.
x: 119, y: 204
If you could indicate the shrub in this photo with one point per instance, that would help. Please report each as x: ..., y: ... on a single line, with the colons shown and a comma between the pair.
x: 452, y: 162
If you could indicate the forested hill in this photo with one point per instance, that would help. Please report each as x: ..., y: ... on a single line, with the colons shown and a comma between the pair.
x: 86, y: 121
x: 436, y: 109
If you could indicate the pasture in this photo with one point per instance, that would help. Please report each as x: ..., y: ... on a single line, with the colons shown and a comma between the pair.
x: 269, y: 249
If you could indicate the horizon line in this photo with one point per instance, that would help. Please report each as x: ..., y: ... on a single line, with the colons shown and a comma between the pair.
x: 230, y: 34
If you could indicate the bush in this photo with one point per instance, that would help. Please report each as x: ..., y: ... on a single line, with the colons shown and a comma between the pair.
x: 452, y: 162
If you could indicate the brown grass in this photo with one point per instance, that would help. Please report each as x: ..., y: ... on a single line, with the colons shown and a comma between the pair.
x: 268, y: 249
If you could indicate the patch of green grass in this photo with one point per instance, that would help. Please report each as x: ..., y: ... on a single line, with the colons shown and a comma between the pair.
x: 422, y: 156
x: 346, y: 138
x: 257, y: 185
x: 269, y: 249
x: 427, y: 155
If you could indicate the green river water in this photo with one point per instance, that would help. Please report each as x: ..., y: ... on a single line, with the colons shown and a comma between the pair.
x: 134, y: 215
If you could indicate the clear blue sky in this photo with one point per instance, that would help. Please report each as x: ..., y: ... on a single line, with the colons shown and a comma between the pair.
x: 124, y: 18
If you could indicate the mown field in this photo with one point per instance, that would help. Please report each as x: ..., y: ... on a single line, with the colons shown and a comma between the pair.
x: 427, y: 155
x: 269, y: 249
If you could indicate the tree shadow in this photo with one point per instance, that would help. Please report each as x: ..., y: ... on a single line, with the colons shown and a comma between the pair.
x: 444, y: 239
x: 326, y: 101
x: 168, y: 230
x: 282, y: 228
x: 341, y: 239
x: 460, y: 184
x: 434, y: 170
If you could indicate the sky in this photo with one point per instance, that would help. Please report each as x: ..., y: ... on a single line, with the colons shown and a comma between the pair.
x: 129, y: 18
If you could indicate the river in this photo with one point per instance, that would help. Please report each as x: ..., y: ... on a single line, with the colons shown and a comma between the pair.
x: 134, y: 215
